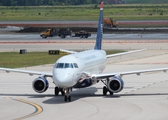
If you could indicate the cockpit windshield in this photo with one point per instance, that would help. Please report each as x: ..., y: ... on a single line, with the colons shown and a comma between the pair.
x: 60, y: 65
x: 47, y: 30
x: 66, y: 65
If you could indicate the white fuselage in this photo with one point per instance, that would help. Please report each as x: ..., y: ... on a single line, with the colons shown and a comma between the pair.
x: 69, y: 69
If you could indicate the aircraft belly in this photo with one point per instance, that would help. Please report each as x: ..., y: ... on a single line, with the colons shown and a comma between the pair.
x: 94, y: 69
x: 85, y: 83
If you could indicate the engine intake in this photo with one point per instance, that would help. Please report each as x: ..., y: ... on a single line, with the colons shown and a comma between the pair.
x: 115, y: 84
x: 40, y: 85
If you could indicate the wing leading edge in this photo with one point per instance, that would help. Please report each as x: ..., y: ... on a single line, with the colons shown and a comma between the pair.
x: 27, y: 72
x: 138, y: 72
x: 124, y: 53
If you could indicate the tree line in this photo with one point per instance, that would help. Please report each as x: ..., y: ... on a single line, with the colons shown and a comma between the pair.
x: 46, y: 2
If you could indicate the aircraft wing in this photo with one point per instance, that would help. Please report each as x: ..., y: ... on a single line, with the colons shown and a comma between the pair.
x: 108, y: 56
x: 27, y: 72
x: 138, y: 72
x: 124, y: 53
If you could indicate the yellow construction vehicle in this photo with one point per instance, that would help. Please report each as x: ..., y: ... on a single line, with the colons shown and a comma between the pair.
x: 109, y: 23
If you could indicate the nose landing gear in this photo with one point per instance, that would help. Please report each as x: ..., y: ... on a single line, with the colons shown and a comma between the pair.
x: 65, y: 92
x: 67, y: 96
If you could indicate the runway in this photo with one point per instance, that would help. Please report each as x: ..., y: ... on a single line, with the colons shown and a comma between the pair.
x: 143, y: 97
x: 33, y: 42
x: 36, y: 37
x: 78, y: 23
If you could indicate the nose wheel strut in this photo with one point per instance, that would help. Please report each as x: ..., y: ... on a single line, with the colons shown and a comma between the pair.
x: 57, y: 90
x: 67, y: 96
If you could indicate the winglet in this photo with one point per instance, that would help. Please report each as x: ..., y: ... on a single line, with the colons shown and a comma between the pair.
x: 100, y: 29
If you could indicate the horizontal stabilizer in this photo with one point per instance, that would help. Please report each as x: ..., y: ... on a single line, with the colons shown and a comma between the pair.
x: 68, y: 51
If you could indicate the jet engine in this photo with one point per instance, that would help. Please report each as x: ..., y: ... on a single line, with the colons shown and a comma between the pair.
x: 40, y: 84
x: 115, y: 84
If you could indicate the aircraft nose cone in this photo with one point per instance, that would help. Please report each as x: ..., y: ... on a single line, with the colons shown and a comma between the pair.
x: 64, y: 79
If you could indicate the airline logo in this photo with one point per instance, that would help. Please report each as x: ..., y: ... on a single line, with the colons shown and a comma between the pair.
x: 101, y: 5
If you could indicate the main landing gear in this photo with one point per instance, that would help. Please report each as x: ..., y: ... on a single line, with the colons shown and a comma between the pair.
x: 65, y: 92
x: 57, y: 90
x: 105, y: 89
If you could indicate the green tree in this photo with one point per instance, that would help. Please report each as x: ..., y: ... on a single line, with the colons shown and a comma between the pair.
x: 46, y: 2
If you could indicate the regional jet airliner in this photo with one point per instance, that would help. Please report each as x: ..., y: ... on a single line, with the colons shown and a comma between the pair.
x: 82, y: 69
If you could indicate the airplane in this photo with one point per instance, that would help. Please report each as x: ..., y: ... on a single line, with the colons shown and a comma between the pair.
x: 83, y: 69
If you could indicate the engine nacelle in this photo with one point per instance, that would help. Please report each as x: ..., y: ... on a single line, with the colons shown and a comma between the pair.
x: 115, y: 84
x: 40, y: 84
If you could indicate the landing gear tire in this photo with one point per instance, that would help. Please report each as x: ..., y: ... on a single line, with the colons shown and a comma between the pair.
x: 67, y: 95
x: 105, y: 90
x: 56, y: 91
x: 67, y: 98
x: 111, y: 93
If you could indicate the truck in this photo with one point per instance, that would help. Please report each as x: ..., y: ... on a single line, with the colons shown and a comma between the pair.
x: 62, y: 33
x: 109, y: 23
x: 81, y: 34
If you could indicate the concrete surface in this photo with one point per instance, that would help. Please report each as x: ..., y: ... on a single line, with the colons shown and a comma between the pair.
x: 144, y: 97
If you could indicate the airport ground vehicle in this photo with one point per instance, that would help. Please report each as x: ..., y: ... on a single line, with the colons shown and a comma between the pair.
x: 62, y: 33
x: 81, y: 34
x: 109, y: 23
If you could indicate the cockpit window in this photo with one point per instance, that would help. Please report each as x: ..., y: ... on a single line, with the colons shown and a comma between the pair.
x: 60, y: 65
x: 75, y: 65
x: 64, y: 65
x: 68, y: 65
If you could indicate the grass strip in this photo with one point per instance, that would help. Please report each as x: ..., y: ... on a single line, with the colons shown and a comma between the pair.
x: 84, y: 12
x: 16, y: 60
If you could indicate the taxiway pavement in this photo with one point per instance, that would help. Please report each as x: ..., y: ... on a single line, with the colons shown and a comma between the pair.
x: 143, y: 97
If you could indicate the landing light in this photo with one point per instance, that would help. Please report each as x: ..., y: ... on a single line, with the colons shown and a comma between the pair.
x: 93, y: 77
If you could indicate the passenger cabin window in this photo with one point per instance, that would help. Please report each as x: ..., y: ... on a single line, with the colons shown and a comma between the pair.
x: 75, y: 65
